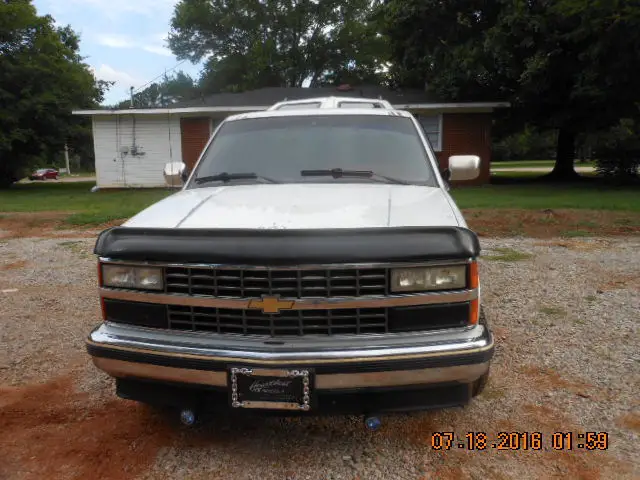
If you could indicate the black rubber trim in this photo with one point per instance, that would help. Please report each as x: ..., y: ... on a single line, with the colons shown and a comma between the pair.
x: 370, y: 401
x: 214, y: 365
x: 288, y: 247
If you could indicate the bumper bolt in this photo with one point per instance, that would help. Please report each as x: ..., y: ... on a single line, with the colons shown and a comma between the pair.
x: 188, y: 417
x: 373, y: 423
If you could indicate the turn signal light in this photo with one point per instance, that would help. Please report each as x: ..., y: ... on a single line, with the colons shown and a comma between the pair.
x: 474, y: 278
x: 474, y: 282
x: 474, y: 312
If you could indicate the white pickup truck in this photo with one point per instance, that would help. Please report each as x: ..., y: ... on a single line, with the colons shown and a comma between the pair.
x: 312, y: 262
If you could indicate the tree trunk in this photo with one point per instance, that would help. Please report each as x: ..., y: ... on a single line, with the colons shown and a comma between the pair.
x: 565, y: 157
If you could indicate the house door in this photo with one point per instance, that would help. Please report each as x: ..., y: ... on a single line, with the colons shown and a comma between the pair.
x: 195, y: 135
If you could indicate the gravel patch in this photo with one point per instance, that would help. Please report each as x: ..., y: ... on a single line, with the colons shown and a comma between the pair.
x: 48, y: 307
x: 565, y: 318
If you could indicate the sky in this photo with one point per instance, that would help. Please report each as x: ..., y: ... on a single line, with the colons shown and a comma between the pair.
x: 123, y: 40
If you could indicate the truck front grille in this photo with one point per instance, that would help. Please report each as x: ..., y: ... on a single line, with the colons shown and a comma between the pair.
x: 229, y: 283
x: 286, y: 323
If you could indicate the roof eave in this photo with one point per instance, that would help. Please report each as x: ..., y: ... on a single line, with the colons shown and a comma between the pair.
x: 467, y: 107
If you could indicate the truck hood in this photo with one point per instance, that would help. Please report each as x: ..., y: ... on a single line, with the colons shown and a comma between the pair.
x: 297, y: 206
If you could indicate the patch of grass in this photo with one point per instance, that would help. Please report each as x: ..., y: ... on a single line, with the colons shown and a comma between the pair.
x: 75, y: 197
x: 523, y: 174
x: 507, y: 255
x: 576, y: 234
x: 517, y: 174
x: 587, y: 223
x: 93, y: 219
x: 553, y: 311
x: 588, y: 195
x: 591, y: 298
x: 524, y: 164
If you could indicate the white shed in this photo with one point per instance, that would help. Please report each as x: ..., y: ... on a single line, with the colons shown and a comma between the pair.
x: 132, y: 149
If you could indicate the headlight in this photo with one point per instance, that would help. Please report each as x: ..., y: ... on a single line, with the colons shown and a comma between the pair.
x: 428, y: 278
x: 122, y: 276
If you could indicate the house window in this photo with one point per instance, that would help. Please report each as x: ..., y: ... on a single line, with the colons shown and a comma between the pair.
x: 432, y: 126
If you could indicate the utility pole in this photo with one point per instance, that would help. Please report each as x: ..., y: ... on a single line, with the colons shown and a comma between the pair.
x: 66, y: 158
x: 131, y: 92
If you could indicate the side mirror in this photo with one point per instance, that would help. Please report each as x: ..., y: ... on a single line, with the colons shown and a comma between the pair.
x: 464, y: 167
x: 175, y: 174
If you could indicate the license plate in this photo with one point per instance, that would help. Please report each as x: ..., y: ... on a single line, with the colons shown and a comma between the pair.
x: 271, y: 389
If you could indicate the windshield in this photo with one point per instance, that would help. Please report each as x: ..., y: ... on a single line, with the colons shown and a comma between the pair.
x: 284, y: 148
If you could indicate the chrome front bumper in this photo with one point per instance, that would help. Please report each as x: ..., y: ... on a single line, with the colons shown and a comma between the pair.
x: 340, y: 363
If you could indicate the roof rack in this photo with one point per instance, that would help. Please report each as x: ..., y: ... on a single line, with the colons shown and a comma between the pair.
x: 332, y: 102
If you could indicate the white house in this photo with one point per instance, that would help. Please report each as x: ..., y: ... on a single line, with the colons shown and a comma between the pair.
x: 132, y: 146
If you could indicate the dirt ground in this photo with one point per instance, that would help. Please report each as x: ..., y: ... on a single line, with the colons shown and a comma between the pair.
x: 564, y: 312
x: 487, y: 223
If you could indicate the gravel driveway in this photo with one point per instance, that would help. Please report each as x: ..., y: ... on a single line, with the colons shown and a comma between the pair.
x: 565, y: 314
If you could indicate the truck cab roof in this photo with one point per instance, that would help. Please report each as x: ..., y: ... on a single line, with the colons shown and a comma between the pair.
x: 326, y: 106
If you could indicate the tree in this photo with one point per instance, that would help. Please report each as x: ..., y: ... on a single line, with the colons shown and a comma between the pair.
x: 563, y: 64
x: 42, y: 78
x: 171, y: 89
x: 251, y: 44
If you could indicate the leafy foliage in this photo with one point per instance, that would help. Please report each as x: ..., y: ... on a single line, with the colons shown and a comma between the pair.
x: 618, y: 154
x: 171, y: 89
x: 564, y: 64
x: 42, y: 78
x: 251, y: 44
x: 528, y: 144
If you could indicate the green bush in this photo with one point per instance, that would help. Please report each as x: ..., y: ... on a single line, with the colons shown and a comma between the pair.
x: 529, y: 144
x: 618, y: 152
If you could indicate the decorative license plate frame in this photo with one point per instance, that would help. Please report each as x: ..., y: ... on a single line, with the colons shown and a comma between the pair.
x: 271, y: 389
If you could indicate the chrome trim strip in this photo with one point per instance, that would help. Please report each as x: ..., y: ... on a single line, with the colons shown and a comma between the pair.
x: 477, y: 340
x: 396, y: 378
x: 429, y: 298
x: 328, y: 266
x: 123, y: 369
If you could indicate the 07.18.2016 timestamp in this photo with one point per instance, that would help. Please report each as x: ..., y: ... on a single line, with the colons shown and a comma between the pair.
x: 515, y: 441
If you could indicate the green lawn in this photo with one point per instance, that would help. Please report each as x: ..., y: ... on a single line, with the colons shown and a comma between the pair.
x: 532, y: 164
x: 541, y: 196
x: 86, y: 208
x: 76, y: 198
x: 522, y: 174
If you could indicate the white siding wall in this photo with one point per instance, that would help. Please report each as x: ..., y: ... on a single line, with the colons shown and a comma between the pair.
x: 108, y: 164
x: 157, y: 140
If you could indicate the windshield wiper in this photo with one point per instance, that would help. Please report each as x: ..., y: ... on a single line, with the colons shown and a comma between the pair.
x: 228, y: 177
x: 340, y: 173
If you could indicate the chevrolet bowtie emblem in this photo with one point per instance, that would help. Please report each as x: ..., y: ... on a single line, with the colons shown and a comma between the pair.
x: 271, y: 304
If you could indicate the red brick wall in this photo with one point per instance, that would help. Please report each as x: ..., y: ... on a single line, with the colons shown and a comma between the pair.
x: 467, y: 134
x: 195, y: 135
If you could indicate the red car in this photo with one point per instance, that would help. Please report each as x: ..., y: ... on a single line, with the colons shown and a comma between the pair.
x: 44, y: 174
